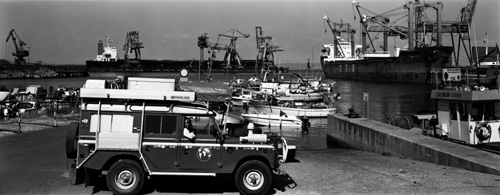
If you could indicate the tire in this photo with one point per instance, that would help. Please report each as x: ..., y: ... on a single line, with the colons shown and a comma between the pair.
x: 256, y: 170
x: 71, y: 140
x: 125, y: 177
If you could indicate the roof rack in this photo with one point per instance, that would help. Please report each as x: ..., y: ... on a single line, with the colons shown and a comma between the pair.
x: 137, y: 88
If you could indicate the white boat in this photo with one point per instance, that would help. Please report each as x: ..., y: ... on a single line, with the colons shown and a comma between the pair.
x: 243, y: 98
x: 295, y: 111
x: 272, y: 120
x: 303, y: 96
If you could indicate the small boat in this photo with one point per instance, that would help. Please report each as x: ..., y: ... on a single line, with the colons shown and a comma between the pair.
x: 288, y: 106
x: 272, y: 120
x: 242, y: 97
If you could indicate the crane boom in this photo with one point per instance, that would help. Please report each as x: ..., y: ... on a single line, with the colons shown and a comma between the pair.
x: 20, y: 51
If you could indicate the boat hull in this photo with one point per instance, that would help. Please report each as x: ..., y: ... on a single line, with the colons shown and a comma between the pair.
x: 303, y: 97
x: 309, y: 112
x: 415, y: 66
x: 272, y: 120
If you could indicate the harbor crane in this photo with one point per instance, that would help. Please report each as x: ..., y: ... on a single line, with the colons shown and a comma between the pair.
x: 203, y: 43
x: 265, y: 51
x: 231, y: 58
x: 132, y: 44
x: 19, y: 45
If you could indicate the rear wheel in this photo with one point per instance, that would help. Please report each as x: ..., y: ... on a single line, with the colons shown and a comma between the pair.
x: 253, y: 177
x: 71, y: 140
x: 125, y: 177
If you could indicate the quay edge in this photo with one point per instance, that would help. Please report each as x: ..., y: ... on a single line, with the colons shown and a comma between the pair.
x: 373, y: 136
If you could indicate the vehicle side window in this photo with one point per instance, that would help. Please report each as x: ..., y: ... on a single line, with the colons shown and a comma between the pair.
x: 158, y: 124
x: 201, y: 125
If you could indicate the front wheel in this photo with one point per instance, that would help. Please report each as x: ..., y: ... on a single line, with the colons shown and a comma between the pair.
x: 125, y: 177
x: 253, y: 177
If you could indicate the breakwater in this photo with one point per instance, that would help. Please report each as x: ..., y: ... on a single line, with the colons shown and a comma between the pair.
x: 373, y: 136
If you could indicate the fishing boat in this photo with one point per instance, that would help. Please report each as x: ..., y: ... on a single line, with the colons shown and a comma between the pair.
x: 292, y: 108
x: 272, y: 120
x: 420, y: 61
x: 472, y: 116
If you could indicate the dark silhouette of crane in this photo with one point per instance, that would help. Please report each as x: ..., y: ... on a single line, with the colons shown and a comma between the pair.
x: 19, y: 45
x: 265, y: 52
x: 132, y: 44
x: 231, y: 58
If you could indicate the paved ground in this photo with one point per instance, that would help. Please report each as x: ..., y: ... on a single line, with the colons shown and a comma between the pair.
x: 35, y: 163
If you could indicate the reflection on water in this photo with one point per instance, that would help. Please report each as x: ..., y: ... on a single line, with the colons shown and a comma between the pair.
x: 385, y: 100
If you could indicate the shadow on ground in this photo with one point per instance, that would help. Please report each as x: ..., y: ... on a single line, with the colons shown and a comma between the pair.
x: 223, y: 183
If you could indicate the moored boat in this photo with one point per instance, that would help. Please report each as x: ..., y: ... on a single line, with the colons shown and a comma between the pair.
x: 272, y: 120
x: 309, y: 112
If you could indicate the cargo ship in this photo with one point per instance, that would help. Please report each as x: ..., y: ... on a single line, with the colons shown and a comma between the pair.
x: 420, y: 61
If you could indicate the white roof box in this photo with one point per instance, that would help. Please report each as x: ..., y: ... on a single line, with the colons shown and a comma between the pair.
x: 137, y: 83
x: 95, y: 84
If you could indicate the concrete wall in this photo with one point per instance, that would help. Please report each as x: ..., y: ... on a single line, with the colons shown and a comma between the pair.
x: 374, y: 136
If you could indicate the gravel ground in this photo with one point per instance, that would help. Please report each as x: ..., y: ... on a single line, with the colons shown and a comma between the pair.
x: 12, y: 126
x: 341, y: 171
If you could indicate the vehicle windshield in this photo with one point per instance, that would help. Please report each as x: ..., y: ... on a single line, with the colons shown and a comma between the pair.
x: 488, y: 110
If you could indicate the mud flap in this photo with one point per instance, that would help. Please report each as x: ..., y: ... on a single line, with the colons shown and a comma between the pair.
x: 76, y: 176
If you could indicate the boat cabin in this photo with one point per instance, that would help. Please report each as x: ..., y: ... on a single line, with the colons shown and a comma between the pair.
x: 472, y: 117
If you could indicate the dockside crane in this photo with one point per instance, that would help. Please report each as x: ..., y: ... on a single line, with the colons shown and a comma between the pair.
x: 19, y: 45
x: 204, y: 43
x: 265, y: 52
x: 132, y: 44
x: 231, y: 58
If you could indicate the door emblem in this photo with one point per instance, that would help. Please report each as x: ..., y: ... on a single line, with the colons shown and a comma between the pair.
x: 204, y: 154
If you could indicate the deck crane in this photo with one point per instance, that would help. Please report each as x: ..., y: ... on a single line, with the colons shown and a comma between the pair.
x: 132, y: 44
x: 265, y: 51
x: 466, y: 15
x: 19, y: 45
x: 337, y: 29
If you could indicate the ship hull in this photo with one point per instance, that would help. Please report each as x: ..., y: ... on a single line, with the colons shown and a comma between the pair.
x: 417, y: 66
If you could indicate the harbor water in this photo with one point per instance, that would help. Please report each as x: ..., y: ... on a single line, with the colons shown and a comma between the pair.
x: 384, y: 100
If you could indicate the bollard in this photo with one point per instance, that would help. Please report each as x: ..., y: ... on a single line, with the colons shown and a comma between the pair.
x: 55, y: 115
x: 19, y: 122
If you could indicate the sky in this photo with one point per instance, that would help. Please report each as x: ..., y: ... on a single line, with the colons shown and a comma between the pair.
x: 67, y: 32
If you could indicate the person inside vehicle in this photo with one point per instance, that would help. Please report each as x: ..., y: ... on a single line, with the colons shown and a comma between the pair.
x: 188, y: 129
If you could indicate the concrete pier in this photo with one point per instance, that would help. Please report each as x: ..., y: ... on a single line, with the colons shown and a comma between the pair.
x: 373, y: 136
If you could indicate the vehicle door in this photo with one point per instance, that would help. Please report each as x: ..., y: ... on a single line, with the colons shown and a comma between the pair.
x: 160, y: 137
x: 203, y: 151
